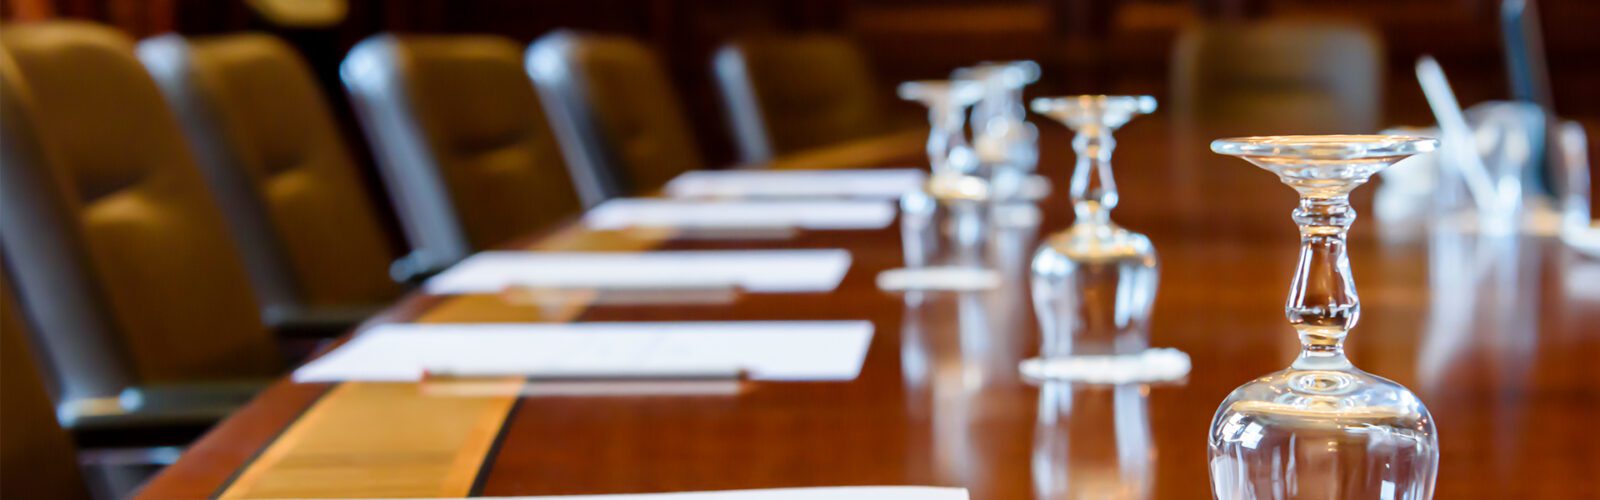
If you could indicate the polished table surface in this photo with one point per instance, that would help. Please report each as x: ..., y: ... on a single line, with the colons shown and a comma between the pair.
x: 1500, y: 338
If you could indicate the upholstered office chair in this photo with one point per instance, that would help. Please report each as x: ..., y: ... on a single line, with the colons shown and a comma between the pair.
x: 119, y: 254
x: 271, y: 151
x: 37, y: 458
x: 611, y: 103
x: 787, y: 94
x: 461, y: 140
x: 1279, y: 77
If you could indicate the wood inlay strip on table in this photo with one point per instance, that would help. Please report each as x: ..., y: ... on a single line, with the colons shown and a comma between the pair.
x: 390, y: 439
x: 379, y: 439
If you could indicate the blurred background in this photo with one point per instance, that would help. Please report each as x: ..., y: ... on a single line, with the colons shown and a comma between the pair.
x: 1083, y: 46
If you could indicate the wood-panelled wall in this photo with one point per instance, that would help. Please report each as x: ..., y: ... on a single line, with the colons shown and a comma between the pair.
x: 1085, y: 45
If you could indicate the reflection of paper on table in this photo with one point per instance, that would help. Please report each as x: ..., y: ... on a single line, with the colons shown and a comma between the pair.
x: 721, y: 214
x: 833, y: 493
x: 939, y: 278
x: 1582, y: 279
x: 1585, y: 240
x: 877, y: 183
x: 1152, y: 365
x: 764, y: 350
x: 774, y: 271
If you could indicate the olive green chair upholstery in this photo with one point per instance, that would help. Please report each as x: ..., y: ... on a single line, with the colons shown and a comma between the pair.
x: 1279, y: 77
x: 119, y: 253
x: 37, y: 458
x: 271, y: 151
x: 461, y: 139
x: 789, y: 94
x: 612, y: 104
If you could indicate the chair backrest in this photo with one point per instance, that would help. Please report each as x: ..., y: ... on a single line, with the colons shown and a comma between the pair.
x: 788, y: 94
x: 613, y: 107
x: 1280, y: 76
x: 36, y: 455
x: 270, y: 149
x: 121, y: 257
x: 461, y: 140
x: 56, y: 278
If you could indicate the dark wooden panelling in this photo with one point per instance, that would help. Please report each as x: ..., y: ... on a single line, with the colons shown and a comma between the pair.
x: 1085, y: 46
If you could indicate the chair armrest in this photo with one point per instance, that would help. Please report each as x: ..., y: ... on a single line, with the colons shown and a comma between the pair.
x: 159, y: 405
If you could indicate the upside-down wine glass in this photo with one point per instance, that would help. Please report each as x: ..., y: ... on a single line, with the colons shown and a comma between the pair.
x: 951, y: 159
x: 1323, y: 428
x: 944, y: 221
x: 1006, y: 144
x: 1094, y: 283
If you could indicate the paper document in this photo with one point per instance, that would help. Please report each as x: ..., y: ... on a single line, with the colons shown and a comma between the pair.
x: 761, y: 350
x: 719, y: 214
x: 876, y: 183
x: 836, y: 493
x: 770, y: 271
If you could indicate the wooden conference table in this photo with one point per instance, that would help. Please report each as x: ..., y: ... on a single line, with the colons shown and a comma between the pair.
x: 1502, y: 342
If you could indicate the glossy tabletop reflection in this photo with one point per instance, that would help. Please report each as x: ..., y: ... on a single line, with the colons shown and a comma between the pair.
x: 1500, y: 338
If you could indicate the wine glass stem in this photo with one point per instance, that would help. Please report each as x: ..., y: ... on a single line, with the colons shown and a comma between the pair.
x: 1322, y: 304
x: 947, y: 122
x: 938, y: 137
x: 1094, y: 192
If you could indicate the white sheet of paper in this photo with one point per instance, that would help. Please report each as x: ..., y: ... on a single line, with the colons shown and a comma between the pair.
x: 774, y: 271
x: 765, y: 350
x: 833, y: 493
x: 723, y: 214
x: 875, y: 183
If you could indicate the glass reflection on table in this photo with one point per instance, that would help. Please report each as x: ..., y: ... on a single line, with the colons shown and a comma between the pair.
x: 1093, y: 441
x: 941, y: 234
x: 1480, y: 285
x: 960, y: 351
